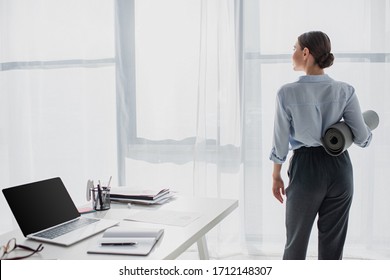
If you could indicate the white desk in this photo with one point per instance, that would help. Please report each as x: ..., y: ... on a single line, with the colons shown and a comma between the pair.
x: 173, y: 243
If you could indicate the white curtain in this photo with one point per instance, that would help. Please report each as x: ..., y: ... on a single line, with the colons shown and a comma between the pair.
x: 57, y: 94
x: 217, y: 168
x: 187, y: 120
x: 181, y: 94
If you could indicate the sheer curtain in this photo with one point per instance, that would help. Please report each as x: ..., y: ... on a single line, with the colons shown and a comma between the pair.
x: 57, y: 94
x: 185, y: 132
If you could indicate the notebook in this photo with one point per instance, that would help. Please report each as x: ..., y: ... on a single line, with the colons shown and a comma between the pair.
x: 127, y: 241
x: 45, y: 211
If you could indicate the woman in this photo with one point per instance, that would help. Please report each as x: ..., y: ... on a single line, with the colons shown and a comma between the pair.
x: 318, y: 183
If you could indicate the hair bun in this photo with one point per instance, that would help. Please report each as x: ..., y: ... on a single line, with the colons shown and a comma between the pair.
x: 325, y: 60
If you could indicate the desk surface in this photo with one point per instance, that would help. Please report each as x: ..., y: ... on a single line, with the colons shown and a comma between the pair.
x: 173, y: 243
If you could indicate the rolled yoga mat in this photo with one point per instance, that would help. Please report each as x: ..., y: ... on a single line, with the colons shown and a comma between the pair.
x: 339, y: 137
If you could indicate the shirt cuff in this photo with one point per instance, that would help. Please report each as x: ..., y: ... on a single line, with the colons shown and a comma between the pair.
x: 275, y: 158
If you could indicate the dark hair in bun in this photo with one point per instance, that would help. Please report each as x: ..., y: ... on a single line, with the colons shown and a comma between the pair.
x: 319, y: 46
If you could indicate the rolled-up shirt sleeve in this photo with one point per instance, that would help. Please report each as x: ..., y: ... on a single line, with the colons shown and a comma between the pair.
x: 282, y: 124
x: 354, y: 119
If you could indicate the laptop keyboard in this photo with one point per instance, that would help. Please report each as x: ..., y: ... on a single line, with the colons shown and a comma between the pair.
x: 63, y: 229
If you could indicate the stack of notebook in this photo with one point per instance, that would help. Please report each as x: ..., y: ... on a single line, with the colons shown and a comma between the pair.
x: 141, y: 196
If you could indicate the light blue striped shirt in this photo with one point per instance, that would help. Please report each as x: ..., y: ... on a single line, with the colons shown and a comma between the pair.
x: 307, y: 107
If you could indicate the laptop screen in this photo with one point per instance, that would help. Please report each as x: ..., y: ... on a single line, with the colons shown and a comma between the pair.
x: 40, y: 205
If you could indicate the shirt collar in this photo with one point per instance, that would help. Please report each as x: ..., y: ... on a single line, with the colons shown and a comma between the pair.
x: 314, y: 78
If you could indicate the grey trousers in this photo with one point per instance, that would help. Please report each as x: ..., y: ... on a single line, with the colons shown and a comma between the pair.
x: 321, y: 185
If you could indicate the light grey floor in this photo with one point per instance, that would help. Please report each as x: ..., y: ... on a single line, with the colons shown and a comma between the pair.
x: 351, y: 254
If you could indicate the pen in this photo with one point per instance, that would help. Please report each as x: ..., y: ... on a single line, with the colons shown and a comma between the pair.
x: 119, y: 244
x: 109, y: 182
x: 100, y: 197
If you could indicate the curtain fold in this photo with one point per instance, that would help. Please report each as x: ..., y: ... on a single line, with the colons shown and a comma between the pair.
x: 219, y: 173
x: 218, y: 126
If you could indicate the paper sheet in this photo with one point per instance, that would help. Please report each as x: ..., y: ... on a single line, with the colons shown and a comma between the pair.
x: 166, y: 217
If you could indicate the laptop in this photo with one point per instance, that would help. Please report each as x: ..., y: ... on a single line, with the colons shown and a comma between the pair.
x: 45, y: 211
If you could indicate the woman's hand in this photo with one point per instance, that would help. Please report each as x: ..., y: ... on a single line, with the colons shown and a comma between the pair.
x: 278, y: 188
x: 278, y: 184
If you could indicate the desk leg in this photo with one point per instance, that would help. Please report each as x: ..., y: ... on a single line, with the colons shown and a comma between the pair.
x: 202, y: 248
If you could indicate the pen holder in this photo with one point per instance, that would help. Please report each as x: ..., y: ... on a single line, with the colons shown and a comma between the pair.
x: 101, y: 198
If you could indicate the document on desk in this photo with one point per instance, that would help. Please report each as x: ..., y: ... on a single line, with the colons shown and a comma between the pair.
x: 140, y: 196
x: 166, y: 217
x: 127, y: 241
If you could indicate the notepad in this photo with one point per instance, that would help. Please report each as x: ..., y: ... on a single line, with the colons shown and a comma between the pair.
x: 127, y: 241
